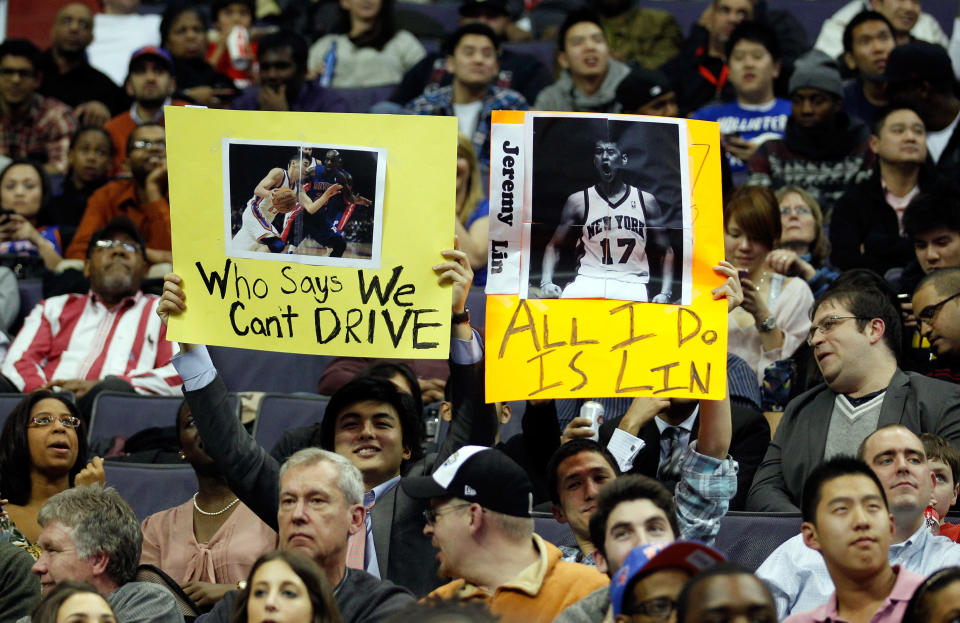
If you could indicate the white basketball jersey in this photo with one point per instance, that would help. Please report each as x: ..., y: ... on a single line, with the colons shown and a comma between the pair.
x: 613, y: 240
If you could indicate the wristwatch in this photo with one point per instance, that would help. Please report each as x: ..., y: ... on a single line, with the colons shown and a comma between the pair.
x: 461, y: 318
x: 767, y: 325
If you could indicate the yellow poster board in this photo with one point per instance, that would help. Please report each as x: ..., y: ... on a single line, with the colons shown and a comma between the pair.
x: 585, y: 348
x: 254, y: 274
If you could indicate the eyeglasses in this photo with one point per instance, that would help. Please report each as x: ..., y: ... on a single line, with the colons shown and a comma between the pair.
x: 658, y: 608
x: 68, y: 421
x: 928, y: 313
x: 161, y: 145
x: 827, y: 325
x: 798, y: 210
x: 106, y: 245
x: 430, y: 515
x: 9, y: 72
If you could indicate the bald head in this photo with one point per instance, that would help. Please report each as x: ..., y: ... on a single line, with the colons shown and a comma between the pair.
x: 72, y: 29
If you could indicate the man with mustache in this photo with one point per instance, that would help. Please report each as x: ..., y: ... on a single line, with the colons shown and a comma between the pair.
x: 59, y: 346
x: 143, y: 198
x: 846, y: 519
x: 800, y: 579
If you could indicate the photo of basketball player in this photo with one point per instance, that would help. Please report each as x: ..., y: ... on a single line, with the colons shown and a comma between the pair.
x: 607, y: 213
x: 280, y: 192
x: 326, y: 226
x: 612, y: 238
x: 326, y: 212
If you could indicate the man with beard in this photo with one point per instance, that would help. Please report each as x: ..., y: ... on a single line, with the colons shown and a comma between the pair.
x: 143, y: 199
x: 59, y: 347
x: 822, y: 150
x: 150, y: 83
x: 283, y: 86
x: 613, y: 220
x: 68, y: 77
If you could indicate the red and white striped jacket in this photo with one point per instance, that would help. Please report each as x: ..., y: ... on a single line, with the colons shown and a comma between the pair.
x: 76, y: 336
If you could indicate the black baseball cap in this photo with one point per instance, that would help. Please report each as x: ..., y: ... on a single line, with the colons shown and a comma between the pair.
x: 117, y: 225
x: 918, y: 60
x: 477, y: 474
x: 473, y: 8
x: 642, y: 86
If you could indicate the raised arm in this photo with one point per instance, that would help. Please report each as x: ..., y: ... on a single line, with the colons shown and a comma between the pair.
x: 251, y: 473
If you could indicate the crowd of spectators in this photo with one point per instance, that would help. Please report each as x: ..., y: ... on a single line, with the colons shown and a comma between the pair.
x: 841, y: 273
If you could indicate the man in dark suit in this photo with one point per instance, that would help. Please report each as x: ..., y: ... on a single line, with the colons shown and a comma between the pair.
x: 856, y: 341
x: 369, y: 422
x: 667, y: 426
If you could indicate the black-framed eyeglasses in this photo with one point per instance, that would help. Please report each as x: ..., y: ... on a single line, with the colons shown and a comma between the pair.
x: 106, y: 245
x: 827, y: 325
x: 430, y: 515
x: 68, y: 421
x: 928, y: 313
x: 658, y: 608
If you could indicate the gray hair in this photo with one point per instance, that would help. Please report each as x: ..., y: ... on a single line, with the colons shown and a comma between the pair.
x: 99, y: 521
x: 350, y: 481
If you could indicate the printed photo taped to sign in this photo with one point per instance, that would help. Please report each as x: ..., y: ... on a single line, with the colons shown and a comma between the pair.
x: 562, y: 347
x: 340, y: 284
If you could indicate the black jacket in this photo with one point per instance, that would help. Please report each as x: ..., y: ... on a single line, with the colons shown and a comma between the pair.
x: 405, y: 555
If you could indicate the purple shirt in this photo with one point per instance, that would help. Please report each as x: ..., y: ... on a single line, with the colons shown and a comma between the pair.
x: 312, y: 98
x: 891, y: 611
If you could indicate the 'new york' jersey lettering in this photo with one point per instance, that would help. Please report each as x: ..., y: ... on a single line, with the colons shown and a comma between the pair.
x: 613, y: 240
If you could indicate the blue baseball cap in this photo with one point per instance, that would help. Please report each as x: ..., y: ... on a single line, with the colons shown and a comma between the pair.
x: 691, y: 556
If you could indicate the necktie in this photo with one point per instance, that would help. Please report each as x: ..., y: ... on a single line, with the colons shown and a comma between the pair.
x: 357, y: 543
x: 670, y: 468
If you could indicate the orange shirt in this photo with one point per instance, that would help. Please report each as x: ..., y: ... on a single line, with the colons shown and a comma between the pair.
x: 119, y: 129
x: 119, y: 198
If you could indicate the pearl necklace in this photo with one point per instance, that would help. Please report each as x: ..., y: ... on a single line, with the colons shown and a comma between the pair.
x: 219, y: 512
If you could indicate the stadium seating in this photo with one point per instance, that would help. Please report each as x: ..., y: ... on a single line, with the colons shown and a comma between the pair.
x: 279, y: 413
x: 361, y: 99
x: 123, y: 414
x: 7, y: 403
x: 748, y: 538
x: 151, y: 488
x: 245, y: 370
x: 553, y: 531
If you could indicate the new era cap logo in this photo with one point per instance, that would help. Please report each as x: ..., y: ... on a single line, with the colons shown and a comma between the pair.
x: 468, y: 490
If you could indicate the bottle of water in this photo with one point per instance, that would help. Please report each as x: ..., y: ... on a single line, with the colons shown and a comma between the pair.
x: 329, y: 65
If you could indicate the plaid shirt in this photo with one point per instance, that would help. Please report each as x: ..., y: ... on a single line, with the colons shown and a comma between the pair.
x: 42, y: 135
x: 440, y: 102
x: 703, y: 496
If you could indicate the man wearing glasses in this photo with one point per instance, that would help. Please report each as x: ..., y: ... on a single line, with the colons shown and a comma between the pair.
x: 108, y: 339
x: 31, y: 125
x: 936, y: 302
x: 480, y: 520
x: 855, y: 339
x: 142, y: 199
